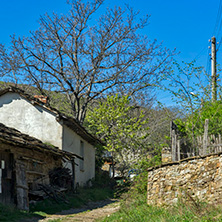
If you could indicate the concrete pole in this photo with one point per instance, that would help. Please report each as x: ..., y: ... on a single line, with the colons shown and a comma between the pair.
x: 213, y: 70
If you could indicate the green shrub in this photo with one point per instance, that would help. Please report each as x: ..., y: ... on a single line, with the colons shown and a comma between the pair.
x: 102, y: 180
x: 138, y: 210
x: 11, y: 214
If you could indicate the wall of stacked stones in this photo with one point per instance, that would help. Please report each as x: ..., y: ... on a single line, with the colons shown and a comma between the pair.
x: 196, y: 178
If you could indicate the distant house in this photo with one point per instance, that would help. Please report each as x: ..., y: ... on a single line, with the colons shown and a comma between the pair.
x: 33, y: 117
x: 25, y: 162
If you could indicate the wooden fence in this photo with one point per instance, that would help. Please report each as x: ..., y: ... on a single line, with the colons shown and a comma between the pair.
x: 201, y: 145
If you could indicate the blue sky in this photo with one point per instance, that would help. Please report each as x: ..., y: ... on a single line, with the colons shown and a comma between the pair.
x: 184, y: 25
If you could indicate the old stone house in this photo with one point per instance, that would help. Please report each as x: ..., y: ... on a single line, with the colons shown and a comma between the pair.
x: 33, y: 117
x: 25, y: 163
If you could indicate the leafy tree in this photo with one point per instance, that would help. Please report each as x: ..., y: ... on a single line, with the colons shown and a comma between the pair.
x: 125, y: 133
x: 85, y: 55
x: 209, y: 110
x: 159, y: 124
x: 190, y: 87
x: 187, y: 83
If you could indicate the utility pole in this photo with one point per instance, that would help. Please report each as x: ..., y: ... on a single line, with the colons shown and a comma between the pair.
x: 213, y: 70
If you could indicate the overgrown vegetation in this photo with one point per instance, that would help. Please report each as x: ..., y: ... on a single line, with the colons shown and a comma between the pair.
x: 80, y: 197
x: 138, y: 210
x: 134, y: 206
x: 72, y: 200
x: 124, y: 129
x: 10, y: 214
x: 49, y: 206
x: 69, y: 200
x: 196, y: 108
x: 190, y: 86
x: 208, y: 110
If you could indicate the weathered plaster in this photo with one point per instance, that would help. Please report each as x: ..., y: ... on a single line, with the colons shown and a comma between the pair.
x: 36, y: 121
x: 71, y: 143
x: 19, y: 113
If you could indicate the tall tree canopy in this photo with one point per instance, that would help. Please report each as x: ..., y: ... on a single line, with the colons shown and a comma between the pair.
x: 86, y: 54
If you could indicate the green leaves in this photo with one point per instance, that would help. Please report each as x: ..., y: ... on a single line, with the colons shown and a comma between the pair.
x: 193, y: 126
x: 211, y: 111
x: 187, y: 84
x: 115, y: 122
x: 122, y: 126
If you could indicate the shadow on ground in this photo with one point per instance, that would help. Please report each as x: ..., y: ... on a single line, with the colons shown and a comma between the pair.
x: 88, y: 206
x: 35, y: 218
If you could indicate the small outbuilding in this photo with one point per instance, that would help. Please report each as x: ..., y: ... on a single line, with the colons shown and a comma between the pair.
x: 25, y: 163
x: 32, y: 116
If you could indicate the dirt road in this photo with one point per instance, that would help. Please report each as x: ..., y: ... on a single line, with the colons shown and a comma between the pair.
x: 88, y: 213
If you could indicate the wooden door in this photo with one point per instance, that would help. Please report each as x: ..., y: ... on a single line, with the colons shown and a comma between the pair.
x: 6, y: 178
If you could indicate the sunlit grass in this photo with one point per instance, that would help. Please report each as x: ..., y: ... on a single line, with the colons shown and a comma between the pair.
x: 138, y: 210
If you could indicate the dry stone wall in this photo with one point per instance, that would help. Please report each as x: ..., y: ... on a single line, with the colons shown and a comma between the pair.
x: 193, y: 178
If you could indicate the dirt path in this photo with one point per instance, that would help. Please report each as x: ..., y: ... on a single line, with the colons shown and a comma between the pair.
x: 88, y: 213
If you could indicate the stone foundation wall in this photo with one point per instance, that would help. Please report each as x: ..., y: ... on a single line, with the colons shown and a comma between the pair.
x: 193, y: 178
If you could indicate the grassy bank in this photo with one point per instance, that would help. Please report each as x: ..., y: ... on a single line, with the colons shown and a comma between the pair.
x: 134, y: 208
x: 10, y: 214
x: 49, y: 206
x: 72, y: 200
x: 138, y: 210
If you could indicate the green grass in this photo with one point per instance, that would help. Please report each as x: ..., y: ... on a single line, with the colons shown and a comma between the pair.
x: 134, y: 208
x: 48, y: 206
x: 138, y: 210
x: 10, y: 214
x: 72, y: 200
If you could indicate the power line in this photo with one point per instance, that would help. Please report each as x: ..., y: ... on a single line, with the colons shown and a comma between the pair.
x: 218, y: 25
x: 219, y: 28
x: 208, y: 61
x: 200, y: 53
x: 218, y: 20
x: 219, y: 44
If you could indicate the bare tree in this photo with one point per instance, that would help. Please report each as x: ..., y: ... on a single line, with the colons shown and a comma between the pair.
x: 85, y: 56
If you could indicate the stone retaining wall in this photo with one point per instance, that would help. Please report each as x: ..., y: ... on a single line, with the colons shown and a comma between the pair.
x: 197, y: 177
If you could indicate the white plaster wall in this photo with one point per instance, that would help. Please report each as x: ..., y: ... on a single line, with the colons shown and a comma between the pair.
x: 34, y: 120
x: 71, y: 143
x: 19, y: 113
